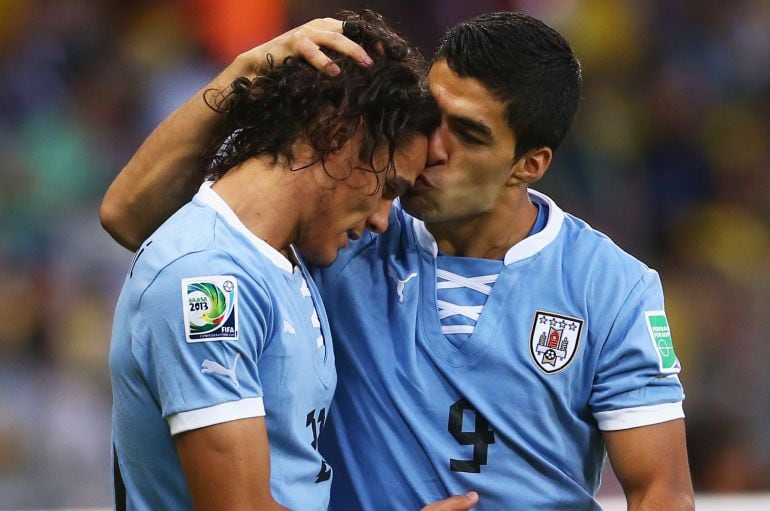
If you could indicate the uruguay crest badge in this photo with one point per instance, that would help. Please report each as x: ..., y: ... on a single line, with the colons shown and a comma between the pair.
x: 554, y: 340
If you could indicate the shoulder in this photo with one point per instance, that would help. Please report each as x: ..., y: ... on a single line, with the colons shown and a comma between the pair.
x: 207, y: 294
x: 590, y: 248
x: 614, y: 288
x: 196, y: 248
x: 594, y: 269
x: 578, y: 248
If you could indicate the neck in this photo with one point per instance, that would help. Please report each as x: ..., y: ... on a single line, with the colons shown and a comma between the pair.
x: 488, y: 235
x: 265, y: 197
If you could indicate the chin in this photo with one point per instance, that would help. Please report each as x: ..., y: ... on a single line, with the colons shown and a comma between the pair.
x: 321, y: 260
x: 417, y: 207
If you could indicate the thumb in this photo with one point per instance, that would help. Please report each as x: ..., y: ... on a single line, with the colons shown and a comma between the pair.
x: 456, y: 503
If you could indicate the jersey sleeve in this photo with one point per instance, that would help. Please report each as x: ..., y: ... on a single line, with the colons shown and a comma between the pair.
x: 636, y: 382
x: 207, y: 322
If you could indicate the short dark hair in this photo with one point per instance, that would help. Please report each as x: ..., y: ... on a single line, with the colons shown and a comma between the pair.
x: 524, y: 63
x: 294, y: 101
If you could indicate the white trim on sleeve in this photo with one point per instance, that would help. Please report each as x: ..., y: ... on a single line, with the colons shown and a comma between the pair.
x: 225, y: 412
x: 638, y: 416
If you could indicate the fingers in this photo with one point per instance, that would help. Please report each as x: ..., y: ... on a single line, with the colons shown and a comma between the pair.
x: 456, y: 503
x: 306, y: 42
x: 311, y: 52
x: 308, y: 45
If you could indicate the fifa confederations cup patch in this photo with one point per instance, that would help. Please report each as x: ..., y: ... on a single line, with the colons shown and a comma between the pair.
x: 660, y: 334
x: 554, y: 340
x: 210, y: 306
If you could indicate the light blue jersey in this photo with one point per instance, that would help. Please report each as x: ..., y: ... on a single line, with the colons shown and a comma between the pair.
x: 214, y: 325
x: 571, y: 340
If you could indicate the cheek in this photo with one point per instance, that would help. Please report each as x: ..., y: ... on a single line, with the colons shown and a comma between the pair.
x: 485, y: 173
x: 471, y: 189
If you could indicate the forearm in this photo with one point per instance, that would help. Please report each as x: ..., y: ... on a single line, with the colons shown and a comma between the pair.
x: 651, y: 465
x: 227, y: 466
x: 662, y: 497
x: 162, y: 174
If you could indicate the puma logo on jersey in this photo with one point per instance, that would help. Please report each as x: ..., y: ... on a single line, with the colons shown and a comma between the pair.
x: 211, y: 367
x: 400, y: 283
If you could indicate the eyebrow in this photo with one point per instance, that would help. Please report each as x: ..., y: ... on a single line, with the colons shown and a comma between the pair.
x: 477, y: 127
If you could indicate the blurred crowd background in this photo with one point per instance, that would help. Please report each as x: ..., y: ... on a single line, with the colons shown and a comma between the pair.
x: 669, y: 156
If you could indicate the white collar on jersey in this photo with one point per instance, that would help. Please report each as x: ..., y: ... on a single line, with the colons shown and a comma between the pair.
x: 527, y: 247
x: 209, y: 197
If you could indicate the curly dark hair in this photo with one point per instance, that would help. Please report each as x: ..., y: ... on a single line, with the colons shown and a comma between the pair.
x: 294, y: 101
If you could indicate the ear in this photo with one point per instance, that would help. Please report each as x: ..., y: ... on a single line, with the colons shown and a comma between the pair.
x: 531, y: 167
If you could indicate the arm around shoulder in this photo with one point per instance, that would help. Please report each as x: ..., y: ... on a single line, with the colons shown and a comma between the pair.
x: 163, y: 173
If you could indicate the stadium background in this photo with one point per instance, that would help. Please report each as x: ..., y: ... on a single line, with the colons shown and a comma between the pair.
x: 669, y: 156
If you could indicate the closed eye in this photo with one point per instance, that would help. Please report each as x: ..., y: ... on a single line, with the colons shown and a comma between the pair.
x: 468, y: 138
x: 470, y: 131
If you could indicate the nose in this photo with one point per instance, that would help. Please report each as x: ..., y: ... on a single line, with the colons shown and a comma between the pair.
x: 378, y: 221
x: 437, y: 154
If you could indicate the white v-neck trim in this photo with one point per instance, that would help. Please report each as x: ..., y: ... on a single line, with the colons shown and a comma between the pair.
x: 531, y: 245
x: 210, y: 198
x: 527, y: 247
